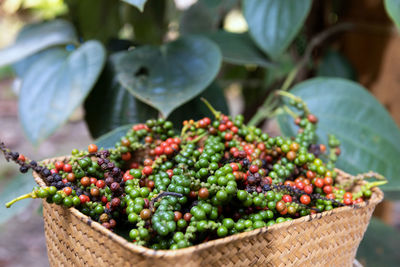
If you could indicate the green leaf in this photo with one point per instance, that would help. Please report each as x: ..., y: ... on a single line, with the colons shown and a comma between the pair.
x: 273, y: 24
x: 55, y: 85
x: 238, y: 48
x: 35, y: 37
x: 168, y: 76
x: 369, y: 136
x: 19, y: 185
x: 109, y: 139
x: 393, y: 9
x: 137, y: 3
x: 380, y: 245
x: 334, y: 64
x: 196, y: 109
x: 110, y: 105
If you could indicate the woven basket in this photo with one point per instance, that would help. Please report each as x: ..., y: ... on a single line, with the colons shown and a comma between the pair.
x: 330, y: 238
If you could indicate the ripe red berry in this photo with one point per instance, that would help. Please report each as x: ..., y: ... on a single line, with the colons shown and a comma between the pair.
x: 159, y: 150
x: 67, y: 168
x: 222, y: 127
x: 348, y: 195
x: 85, y: 181
x: 59, y: 165
x: 83, y: 198
x: 21, y: 157
x: 253, y: 168
x: 203, y: 193
x: 319, y: 182
x: 347, y: 201
x: 126, y: 156
x: 328, y: 189
x: 67, y: 190
x: 305, y: 199
x: 147, y: 170
x: 92, y: 148
x: 287, y: 198
x: 228, y: 136
x: 101, y: 183
x: 308, y: 189
x: 168, y: 150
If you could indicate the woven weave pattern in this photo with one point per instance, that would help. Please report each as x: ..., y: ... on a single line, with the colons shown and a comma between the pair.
x: 327, y: 239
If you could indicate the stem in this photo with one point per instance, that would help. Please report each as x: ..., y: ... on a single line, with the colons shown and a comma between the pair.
x: 163, y: 194
x: 29, y: 195
x: 198, y: 138
x: 217, y: 114
x: 261, y: 114
x: 184, y: 129
x: 295, y: 98
x: 290, y: 112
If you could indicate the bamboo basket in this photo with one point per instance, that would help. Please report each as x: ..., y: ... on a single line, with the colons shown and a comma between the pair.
x: 330, y: 238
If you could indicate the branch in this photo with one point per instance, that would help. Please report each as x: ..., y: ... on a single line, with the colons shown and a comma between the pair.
x: 261, y: 114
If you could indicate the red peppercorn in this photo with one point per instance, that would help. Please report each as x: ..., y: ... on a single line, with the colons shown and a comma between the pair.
x: 92, y: 148
x: 115, y: 202
x: 104, y: 199
x: 168, y: 150
x: 305, y: 199
x: 177, y: 215
x: 222, y: 127
x: 100, y: 183
x: 93, y: 180
x: 187, y: 217
x: 328, y: 189
x: 203, y: 193
x: 67, y: 168
x: 94, y: 191
x: 21, y: 158
x: 59, y: 165
x: 85, y: 181
x: 253, y: 168
x: 347, y: 201
x: 83, y: 198
x: 228, y: 136
x: 67, y: 190
x: 147, y: 170
x: 126, y: 156
x: 319, y: 182
x: 287, y: 198
x: 308, y: 189
x: 71, y: 177
x: 234, y: 166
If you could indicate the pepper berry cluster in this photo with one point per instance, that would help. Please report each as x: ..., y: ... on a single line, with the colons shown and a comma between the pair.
x: 217, y: 178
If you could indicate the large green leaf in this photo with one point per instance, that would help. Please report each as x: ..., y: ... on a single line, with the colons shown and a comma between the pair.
x: 380, y: 246
x: 238, y: 48
x: 273, y: 24
x: 334, y: 64
x: 19, y: 185
x: 370, y: 139
x: 196, y: 109
x: 36, y: 37
x: 109, y: 139
x: 110, y: 105
x: 55, y: 85
x: 168, y: 76
x: 393, y: 9
x: 137, y: 3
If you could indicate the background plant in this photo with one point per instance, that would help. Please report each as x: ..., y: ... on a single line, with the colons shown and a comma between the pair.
x: 149, y: 58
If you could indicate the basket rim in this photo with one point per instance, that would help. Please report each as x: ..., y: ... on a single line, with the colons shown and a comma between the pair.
x: 377, y: 197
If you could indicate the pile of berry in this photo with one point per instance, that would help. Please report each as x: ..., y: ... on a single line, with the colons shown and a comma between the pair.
x: 216, y: 178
